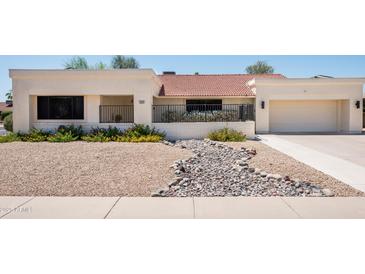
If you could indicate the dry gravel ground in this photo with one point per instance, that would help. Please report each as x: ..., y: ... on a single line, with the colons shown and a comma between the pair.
x: 86, y: 169
x: 273, y: 161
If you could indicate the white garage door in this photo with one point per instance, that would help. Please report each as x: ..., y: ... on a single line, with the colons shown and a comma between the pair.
x: 303, y: 116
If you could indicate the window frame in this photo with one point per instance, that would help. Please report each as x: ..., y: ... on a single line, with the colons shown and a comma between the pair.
x: 48, y: 105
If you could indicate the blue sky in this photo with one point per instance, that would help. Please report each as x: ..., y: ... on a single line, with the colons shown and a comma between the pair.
x: 290, y: 66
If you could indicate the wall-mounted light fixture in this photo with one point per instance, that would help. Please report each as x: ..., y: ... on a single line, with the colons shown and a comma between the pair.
x: 357, y: 104
x: 262, y: 104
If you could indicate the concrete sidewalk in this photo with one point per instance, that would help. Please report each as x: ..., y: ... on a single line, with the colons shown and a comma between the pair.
x: 180, y: 208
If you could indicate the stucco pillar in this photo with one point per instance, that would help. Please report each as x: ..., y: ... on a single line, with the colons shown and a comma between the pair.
x: 21, y: 111
x: 262, y: 116
x: 92, y: 103
x: 355, y: 116
x: 142, y: 102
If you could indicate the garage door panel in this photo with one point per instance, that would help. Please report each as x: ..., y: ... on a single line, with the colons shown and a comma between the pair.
x: 303, y: 116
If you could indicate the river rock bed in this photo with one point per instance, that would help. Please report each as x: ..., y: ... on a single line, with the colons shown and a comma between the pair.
x: 216, y: 169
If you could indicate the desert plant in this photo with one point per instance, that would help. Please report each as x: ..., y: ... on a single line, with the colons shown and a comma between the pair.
x: 76, y: 131
x: 4, y: 114
x: 107, y: 132
x: 198, y: 116
x: 227, y: 135
x: 96, y: 138
x: 139, y: 130
x: 34, y: 135
x: 8, y: 122
x: 62, y: 137
x: 102, y: 134
x: 11, y: 137
x: 140, y: 139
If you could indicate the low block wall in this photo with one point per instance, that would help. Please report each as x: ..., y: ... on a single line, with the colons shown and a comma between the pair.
x: 200, y: 130
x: 174, y: 131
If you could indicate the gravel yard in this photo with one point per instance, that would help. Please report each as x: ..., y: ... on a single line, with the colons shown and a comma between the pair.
x: 85, y: 169
x: 273, y: 161
x: 186, y: 168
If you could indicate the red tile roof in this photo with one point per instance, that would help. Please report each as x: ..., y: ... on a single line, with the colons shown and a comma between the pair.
x: 210, y: 85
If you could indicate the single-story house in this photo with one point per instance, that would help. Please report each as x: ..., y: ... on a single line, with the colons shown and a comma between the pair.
x: 186, y: 106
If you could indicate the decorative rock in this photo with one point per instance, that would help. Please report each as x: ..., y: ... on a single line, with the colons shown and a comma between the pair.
x: 241, y: 163
x: 217, y: 170
x: 327, y: 192
x: 274, y: 176
x: 251, y: 169
x: 299, y: 190
x: 263, y: 174
x: 173, y: 183
x: 198, y: 169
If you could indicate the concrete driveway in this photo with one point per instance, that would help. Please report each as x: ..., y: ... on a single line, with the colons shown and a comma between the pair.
x: 347, y: 147
x: 340, y: 156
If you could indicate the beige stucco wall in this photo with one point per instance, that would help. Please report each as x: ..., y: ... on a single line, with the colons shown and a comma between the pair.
x: 141, y: 84
x: 116, y: 100
x: 347, y: 91
x: 168, y: 101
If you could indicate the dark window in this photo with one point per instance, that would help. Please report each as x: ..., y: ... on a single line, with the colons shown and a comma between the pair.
x: 60, y: 107
x: 203, y: 105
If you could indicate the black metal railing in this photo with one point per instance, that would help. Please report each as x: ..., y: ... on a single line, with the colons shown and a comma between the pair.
x: 116, y: 114
x: 203, y: 113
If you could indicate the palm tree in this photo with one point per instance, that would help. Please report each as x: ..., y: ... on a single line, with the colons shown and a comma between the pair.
x: 9, y: 95
x: 76, y: 62
x: 122, y: 62
x: 260, y: 67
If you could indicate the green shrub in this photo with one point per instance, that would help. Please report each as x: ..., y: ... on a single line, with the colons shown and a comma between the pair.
x: 107, y: 132
x: 102, y: 134
x: 75, y: 131
x: 11, y: 137
x: 34, y: 135
x: 62, y: 137
x: 4, y: 114
x: 137, y: 133
x: 8, y: 122
x: 96, y: 138
x: 140, y: 139
x: 227, y: 135
x: 139, y: 130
